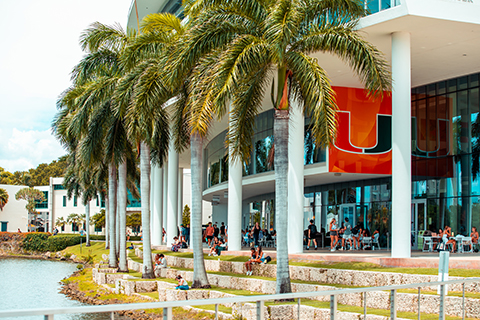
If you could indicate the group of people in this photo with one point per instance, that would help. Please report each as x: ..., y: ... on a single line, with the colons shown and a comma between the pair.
x: 257, y: 256
x: 355, y: 236
x: 253, y: 236
x: 449, y: 241
x: 213, y: 231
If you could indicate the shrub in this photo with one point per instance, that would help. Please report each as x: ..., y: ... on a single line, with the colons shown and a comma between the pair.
x: 36, y: 241
x: 9, y: 236
x: 42, y: 242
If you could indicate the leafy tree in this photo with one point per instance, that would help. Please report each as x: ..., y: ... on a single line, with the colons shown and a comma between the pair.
x: 134, y: 221
x: 3, y: 198
x: 186, y: 215
x: 98, y: 219
x: 30, y: 195
x: 244, y: 42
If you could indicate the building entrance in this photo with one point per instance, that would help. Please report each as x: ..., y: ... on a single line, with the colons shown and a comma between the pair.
x: 419, y: 222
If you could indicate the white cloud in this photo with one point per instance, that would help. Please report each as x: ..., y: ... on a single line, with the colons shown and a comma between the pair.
x: 26, y: 149
x: 36, y: 59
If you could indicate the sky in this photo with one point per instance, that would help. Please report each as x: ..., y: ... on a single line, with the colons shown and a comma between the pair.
x: 39, y: 48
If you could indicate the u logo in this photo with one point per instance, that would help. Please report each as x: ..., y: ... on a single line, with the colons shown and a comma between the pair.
x: 383, y: 135
x: 438, y: 140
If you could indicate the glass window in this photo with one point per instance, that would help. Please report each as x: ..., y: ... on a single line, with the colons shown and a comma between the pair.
x: 74, y: 201
x: 64, y: 201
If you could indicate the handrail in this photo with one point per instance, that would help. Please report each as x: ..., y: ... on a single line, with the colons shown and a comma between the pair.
x: 167, y: 305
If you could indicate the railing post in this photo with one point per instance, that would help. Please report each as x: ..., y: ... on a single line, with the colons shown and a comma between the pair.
x: 260, y: 313
x: 298, y: 301
x: 333, y: 307
x: 216, y: 311
x: 167, y: 313
x: 441, y: 313
x: 418, y: 303
x: 463, y: 301
x: 365, y: 305
x: 112, y: 315
x: 48, y: 317
x: 393, y: 310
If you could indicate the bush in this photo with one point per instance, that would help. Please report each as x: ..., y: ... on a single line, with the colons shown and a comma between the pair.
x: 8, y: 236
x: 42, y: 242
x: 36, y: 241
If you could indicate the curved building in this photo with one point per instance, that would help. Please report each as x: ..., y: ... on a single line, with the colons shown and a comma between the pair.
x: 402, y: 165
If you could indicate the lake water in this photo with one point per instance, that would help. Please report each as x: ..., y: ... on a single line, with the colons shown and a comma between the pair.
x: 32, y: 284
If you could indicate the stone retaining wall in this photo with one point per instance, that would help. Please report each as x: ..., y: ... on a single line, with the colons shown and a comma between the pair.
x: 354, y: 278
x: 379, y: 299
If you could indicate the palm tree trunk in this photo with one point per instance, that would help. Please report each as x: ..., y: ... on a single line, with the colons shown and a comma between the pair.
x: 280, y: 133
x: 112, y: 210
x: 145, y: 192
x: 107, y: 225
x: 122, y: 214
x: 117, y: 228
x: 87, y: 223
x: 200, y: 279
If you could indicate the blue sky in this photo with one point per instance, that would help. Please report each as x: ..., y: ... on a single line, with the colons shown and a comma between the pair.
x: 39, y: 48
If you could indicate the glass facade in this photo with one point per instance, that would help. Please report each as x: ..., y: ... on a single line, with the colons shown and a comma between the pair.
x: 42, y: 204
x: 445, y: 155
x: 261, y: 160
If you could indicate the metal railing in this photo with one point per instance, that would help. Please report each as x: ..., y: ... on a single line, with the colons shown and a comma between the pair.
x: 259, y: 301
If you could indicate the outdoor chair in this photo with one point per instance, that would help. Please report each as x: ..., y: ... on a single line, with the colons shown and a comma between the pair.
x: 466, y: 242
x: 427, y: 244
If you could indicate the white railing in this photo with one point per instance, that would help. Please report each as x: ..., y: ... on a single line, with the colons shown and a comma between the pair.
x: 167, y: 306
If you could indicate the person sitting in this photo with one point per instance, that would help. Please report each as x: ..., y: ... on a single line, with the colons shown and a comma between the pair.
x: 160, y: 263
x: 474, y: 236
x: 182, y: 283
x: 249, y: 263
x: 261, y: 258
x: 222, y: 246
x: 176, y: 244
x: 447, y: 233
x: 131, y: 246
x: 214, y: 245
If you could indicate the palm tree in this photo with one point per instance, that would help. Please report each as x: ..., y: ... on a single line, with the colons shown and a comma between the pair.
x: 153, y: 88
x: 251, y: 40
x: 73, y: 219
x: 3, y: 198
x: 60, y: 222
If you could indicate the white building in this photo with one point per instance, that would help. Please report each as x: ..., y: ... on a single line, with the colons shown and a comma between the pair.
x: 414, y: 171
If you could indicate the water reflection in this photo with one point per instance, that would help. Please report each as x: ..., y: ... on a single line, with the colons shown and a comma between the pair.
x: 32, y: 284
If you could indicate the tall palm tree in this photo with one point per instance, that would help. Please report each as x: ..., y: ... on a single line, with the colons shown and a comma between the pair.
x: 60, y: 222
x: 73, y: 219
x: 155, y: 87
x: 3, y: 198
x: 258, y: 40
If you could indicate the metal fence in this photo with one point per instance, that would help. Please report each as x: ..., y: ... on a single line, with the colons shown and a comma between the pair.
x: 259, y: 300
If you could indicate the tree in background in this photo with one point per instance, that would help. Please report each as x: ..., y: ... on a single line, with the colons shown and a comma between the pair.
x: 186, y: 215
x: 98, y: 219
x: 39, y: 176
x: 3, y: 198
x: 134, y: 221
x: 30, y: 195
x: 74, y: 219
x: 60, y: 222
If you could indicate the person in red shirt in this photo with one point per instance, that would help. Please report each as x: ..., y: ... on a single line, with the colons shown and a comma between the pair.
x: 209, y: 233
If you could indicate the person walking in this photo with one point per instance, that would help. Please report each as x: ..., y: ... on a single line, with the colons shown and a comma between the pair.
x: 256, y: 233
x: 209, y: 234
x: 311, y: 235
x: 222, y: 230
x: 347, y: 234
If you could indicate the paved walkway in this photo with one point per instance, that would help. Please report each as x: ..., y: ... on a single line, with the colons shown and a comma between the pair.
x: 418, y: 259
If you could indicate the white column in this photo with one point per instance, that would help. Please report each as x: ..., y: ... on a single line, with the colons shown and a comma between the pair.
x: 295, y: 179
x: 180, y: 195
x: 152, y: 193
x: 401, y: 145
x: 165, y: 197
x: 157, y: 199
x: 51, y: 224
x: 235, y: 195
x: 172, y: 199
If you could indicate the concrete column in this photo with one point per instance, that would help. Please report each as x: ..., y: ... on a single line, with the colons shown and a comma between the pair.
x: 295, y: 179
x: 172, y: 199
x: 235, y: 194
x: 180, y: 195
x: 152, y: 192
x: 157, y: 207
x: 165, y: 197
x: 401, y: 145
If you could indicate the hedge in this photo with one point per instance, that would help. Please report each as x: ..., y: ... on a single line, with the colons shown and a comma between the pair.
x: 43, y: 242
